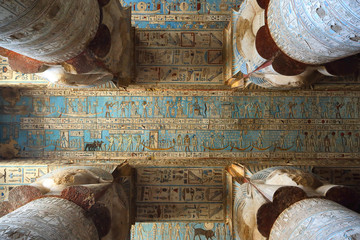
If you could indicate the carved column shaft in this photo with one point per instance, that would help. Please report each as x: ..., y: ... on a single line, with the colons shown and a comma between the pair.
x: 316, y: 31
x: 48, y: 31
x: 289, y: 203
x: 316, y: 219
x: 48, y: 218
x: 287, y: 43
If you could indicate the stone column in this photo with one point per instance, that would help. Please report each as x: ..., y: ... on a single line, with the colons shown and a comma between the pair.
x: 315, y: 31
x: 77, y: 43
x: 78, y: 202
x: 48, y: 31
x: 286, y: 202
x: 316, y: 218
x: 49, y: 218
x: 288, y: 43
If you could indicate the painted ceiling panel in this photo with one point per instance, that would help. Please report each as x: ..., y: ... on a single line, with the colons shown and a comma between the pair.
x: 185, y: 14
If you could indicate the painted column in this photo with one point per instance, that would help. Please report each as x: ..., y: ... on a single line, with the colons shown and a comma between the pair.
x: 316, y: 218
x: 290, y: 203
x: 48, y: 218
x: 67, y: 42
x: 315, y: 31
x: 291, y: 42
x: 48, y: 31
x: 78, y: 202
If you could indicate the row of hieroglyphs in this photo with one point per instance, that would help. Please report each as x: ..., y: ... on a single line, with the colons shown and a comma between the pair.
x: 188, y: 141
x: 180, y: 231
x: 201, y: 107
x: 179, y: 56
x: 190, y: 122
x: 185, y: 14
x: 180, y: 193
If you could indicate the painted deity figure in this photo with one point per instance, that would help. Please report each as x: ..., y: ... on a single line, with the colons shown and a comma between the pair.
x: 303, y: 110
x: 291, y: 106
x: 180, y: 110
x: 195, y: 144
x: 213, y: 109
x: 312, y: 143
x: 168, y: 106
x: 333, y: 141
x: 177, y: 231
x: 343, y: 142
x: 218, y: 232
x: 282, y: 140
x: 111, y: 142
x: 319, y: 142
x: 122, y: 108
x: 134, y: 110
x: 129, y: 145
x: 179, y: 143
x: 108, y: 105
x: 338, y: 107
x: 145, y: 110
x: 187, y: 143
x: 162, y: 231
x: 170, y: 230
x: 138, y: 143
x: 257, y: 110
x: 306, y: 142
x: 278, y: 109
x: 241, y: 140
x: 156, y: 108
x: 315, y: 109
x: 349, y: 109
x: 260, y: 140
x: 212, y: 141
x: 63, y: 141
x: 187, y: 232
x: 80, y: 106
x: 222, y: 140
x: 327, y: 144
x: 247, y: 107
x: 298, y: 143
x: 197, y: 108
x: 152, y: 141
x: 140, y: 231
x: 120, y: 142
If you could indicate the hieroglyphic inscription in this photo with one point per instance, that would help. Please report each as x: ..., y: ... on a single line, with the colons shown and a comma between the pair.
x: 179, y: 56
x: 180, y: 193
x: 322, y: 218
x: 349, y: 176
x: 186, y: 14
x: 8, y: 76
x: 180, y: 230
x: 48, y: 218
x: 137, y: 124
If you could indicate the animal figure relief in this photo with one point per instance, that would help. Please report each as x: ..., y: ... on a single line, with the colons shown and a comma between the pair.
x: 96, y: 145
x: 209, y: 234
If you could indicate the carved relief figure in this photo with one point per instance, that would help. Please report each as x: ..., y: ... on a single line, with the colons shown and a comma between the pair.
x: 120, y: 142
x: 111, y: 143
x: 129, y: 145
x: 195, y: 144
x: 338, y: 107
x: 208, y: 234
x: 187, y: 143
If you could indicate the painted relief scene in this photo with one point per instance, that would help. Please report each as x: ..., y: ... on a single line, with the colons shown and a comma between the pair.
x: 181, y: 15
x: 179, y: 57
x: 109, y: 122
x: 180, y: 120
x: 180, y: 194
x: 180, y: 231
